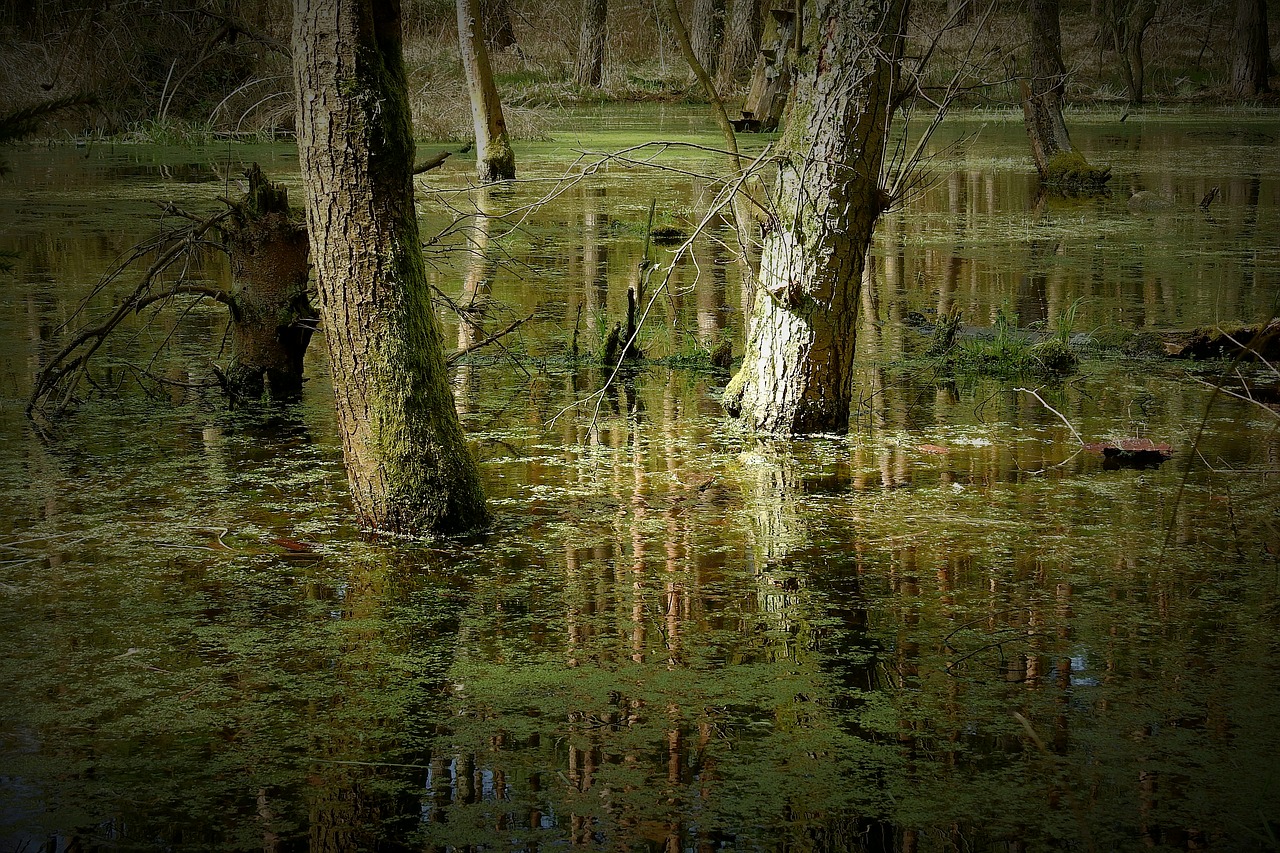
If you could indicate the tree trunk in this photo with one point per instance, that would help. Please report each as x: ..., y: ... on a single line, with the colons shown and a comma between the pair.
x: 271, y: 315
x: 499, y: 34
x: 405, y: 452
x: 1042, y: 97
x: 959, y: 12
x: 797, y: 371
x: 1126, y: 21
x: 771, y: 79
x: 741, y: 37
x: 591, y: 40
x: 1252, y: 56
x: 706, y: 32
x: 495, y: 161
x: 1057, y: 162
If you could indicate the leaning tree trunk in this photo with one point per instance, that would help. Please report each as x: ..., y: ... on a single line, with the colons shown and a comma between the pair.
x: 797, y: 371
x: 1252, y: 57
x: 591, y: 40
x: 271, y: 314
x: 405, y: 452
x: 495, y: 161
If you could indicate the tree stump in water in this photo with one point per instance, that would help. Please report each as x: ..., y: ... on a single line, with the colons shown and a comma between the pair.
x: 271, y: 314
x: 771, y: 80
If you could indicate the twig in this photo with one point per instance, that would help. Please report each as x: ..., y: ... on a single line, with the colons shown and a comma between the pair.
x: 453, y: 359
x: 1055, y: 411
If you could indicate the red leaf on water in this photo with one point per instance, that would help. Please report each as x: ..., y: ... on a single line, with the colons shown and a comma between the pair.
x: 293, y: 545
x: 935, y: 449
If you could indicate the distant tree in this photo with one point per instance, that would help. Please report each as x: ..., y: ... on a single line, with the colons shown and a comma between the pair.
x: 706, y: 32
x: 1124, y: 23
x: 495, y: 160
x: 741, y: 41
x: 1251, y: 57
x: 797, y: 371
x: 499, y: 33
x: 591, y: 42
x: 405, y: 453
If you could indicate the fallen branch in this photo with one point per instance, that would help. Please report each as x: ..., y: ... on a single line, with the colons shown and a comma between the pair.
x: 1055, y: 411
x: 58, y: 380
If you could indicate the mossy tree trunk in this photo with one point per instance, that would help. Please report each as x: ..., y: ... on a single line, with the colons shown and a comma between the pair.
x: 591, y: 42
x: 797, y: 370
x: 271, y: 314
x: 495, y: 161
x: 405, y: 453
x: 1057, y: 161
x: 771, y: 79
x: 1251, y: 60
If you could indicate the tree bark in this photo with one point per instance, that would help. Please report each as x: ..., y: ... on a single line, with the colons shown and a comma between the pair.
x: 706, y: 31
x: 495, y: 161
x: 741, y: 37
x: 271, y: 314
x: 1252, y: 53
x: 499, y: 34
x: 771, y: 79
x: 1042, y: 99
x: 405, y: 453
x: 797, y: 371
x: 591, y: 41
x: 1057, y: 161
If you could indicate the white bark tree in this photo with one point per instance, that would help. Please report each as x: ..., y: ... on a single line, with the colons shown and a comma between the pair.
x: 797, y: 372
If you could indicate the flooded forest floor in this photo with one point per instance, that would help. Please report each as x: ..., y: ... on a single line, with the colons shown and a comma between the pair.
x: 954, y: 628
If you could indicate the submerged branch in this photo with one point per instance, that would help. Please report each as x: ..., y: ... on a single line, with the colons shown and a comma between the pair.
x: 55, y: 385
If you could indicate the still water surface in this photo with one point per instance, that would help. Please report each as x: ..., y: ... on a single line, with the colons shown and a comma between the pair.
x: 950, y: 629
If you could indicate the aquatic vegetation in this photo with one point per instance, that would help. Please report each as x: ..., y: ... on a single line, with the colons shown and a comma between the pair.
x: 951, y: 627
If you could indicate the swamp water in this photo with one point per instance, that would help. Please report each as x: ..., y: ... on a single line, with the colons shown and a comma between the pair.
x: 951, y: 629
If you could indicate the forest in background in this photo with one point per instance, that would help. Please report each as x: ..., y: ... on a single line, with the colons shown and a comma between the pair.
x: 175, y: 71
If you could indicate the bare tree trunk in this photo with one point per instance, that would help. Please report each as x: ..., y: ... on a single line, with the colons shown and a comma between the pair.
x: 741, y: 37
x: 1252, y: 53
x: 271, y: 314
x: 706, y: 31
x: 959, y: 12
x: 797, y: 371
x: 499, y: 34
x: 1126, y: 21
x: 495, y: 161
x: 405, y: 453
x: 591, y: 41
